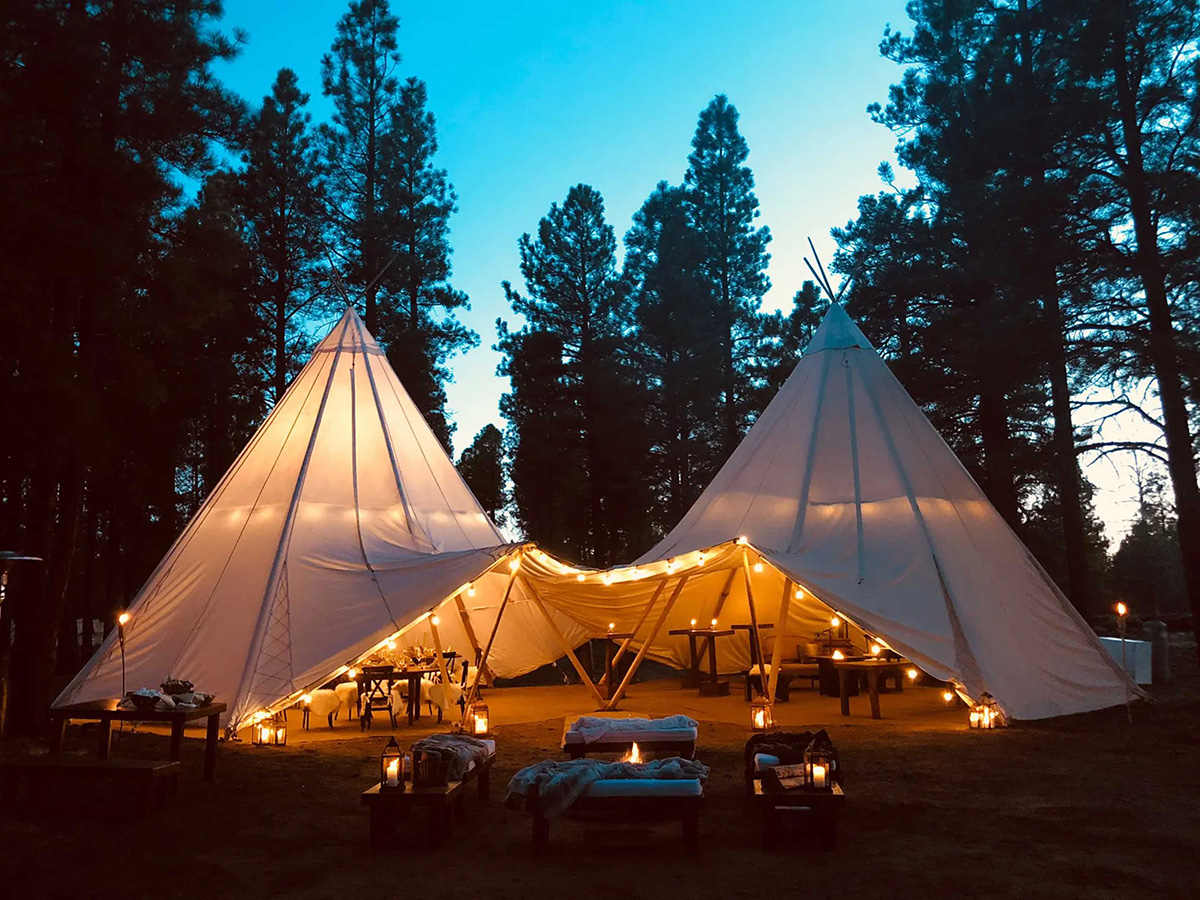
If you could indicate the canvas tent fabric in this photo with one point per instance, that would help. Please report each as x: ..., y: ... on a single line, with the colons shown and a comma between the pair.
x: 341, y: 524
x: 849, y: 501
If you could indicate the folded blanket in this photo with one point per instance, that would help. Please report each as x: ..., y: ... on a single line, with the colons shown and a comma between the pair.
x: 560, y: 783
x: 787, y: 746
x: 461, y: 748
x: 596, y: 728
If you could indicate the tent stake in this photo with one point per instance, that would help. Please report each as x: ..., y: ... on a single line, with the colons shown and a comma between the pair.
x: 562, y: 638
x: 636, y: 628
x: 491, y: 639
x: 641, y: 654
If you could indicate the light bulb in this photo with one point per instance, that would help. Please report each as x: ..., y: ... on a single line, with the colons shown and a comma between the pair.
x: 758, y: 567
x: 436, y: 621
x: 579, y: 577
x: 470, y: 590
x: 834, y: 622
x: 513, y: 565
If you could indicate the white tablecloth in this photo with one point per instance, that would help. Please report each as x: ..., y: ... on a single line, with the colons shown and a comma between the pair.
x: 1137, y: 657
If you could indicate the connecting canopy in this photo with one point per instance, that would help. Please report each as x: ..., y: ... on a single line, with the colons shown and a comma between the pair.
x: 343, y: 524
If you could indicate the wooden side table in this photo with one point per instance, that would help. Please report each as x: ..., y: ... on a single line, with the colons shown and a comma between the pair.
x: 388, y: 807
x: 782, y: 811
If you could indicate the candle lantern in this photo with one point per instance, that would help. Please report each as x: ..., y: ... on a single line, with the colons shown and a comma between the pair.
x: 391, y: 767
x: 269, y: 731
x: 985, y: 714
x: 760, y: 715
x: 478, y: 719
x: 819, y: 763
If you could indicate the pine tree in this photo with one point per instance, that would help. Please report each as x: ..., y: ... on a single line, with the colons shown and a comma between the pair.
x: 482, y: 468
x: 280, y: 196
x: 574, y: 294
x: 359, y: 75
x: 420, y: 329
x: 676, y: 350
x: 722, y: 207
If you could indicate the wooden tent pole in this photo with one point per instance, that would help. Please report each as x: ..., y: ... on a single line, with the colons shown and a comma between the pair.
x: 437, y: 646
x: 638, y: 627
x: 562, y: 638
x: 641, y: 654
x: 474, y: 692
x: 754, y: 636
x: 780, y: 634
x: 724, y: 595
x: 465, y: 618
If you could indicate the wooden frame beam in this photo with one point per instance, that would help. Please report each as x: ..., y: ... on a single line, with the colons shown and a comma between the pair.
x: 465, y: 618
x: 641, y: 654
x: 474, y: 692
x: 780, y: 633
x: 636, y: 628
x: 562, y: 638
x: 754, y: 635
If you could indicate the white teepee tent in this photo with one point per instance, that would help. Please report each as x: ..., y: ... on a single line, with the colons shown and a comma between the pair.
x: 848, y: 501
x: 342, y: 523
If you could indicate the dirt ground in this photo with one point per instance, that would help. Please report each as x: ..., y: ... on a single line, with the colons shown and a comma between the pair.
x: 1080, y: 807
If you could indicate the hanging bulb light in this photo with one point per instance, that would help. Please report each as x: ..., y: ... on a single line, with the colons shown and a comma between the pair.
x: 471, y: 589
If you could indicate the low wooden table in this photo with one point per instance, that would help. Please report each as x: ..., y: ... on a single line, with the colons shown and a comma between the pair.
x: 157, y: 780
x: 818, y: 808
x: 712, y: 685
x: 875, y: 671
x: 107, y: 711
x: 387, y: 807
x: 685, y: 809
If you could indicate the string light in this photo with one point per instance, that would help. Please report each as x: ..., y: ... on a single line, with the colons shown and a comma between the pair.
x: 912, y: 674
x: 835, y: 621
x: 436, y: 621
x: 758, y: 567
x: 743, y: 540
x: 513, y: 565
x: 579, y: 577
x: 471, y: 590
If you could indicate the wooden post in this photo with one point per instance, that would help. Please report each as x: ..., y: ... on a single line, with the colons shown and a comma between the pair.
x: 562, y: 638
x: 470, y: 630
x: 637, y: 660
x: 754, y: 636
x: 780, y: 634
x: 491, y: 639
x: 724, y: 595
x: 437, y: 645
x: 638, y: 627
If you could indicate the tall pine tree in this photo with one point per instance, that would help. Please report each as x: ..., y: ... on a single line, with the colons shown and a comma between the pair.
x: 722, y: 207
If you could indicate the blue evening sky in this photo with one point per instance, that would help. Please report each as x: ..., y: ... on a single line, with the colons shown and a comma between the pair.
x: 533, y: 97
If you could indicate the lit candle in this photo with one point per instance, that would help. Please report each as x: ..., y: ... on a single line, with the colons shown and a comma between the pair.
x: 611, y: 626
x: 481, y: 724
x: 693, y: 623
x: 974, y: 718
x: 393, y: 773
x: 818, y: 776
x: 714, y: 623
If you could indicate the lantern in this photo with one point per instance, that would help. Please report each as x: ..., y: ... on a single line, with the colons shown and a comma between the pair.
x: 269, y: 731
x: 985, y: 715
x: 760, y: 715
x: 391, y: 767
x: 478, y: 720
x: 819, y: 763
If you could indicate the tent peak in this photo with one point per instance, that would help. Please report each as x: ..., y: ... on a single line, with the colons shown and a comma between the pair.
x: 837, y: 331
x: 349, y: 334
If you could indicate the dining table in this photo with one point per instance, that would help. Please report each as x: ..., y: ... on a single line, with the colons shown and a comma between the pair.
x: 710, y: 684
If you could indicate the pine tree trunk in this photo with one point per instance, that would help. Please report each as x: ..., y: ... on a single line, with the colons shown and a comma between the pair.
x: 997, y: 455
x: 1147, y: 260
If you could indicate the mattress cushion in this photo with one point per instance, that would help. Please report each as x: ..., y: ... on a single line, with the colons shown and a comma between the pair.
x: 646, y: 787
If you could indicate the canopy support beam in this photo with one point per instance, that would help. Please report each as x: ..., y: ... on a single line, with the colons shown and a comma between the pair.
x: 566, y: 645
x: 474, y: 692
x: 437, y: 646
x: 641, y: 654
x: 465, y: 618
x: 780, y: 634
x: 754, y: 635
x: 636, y: 628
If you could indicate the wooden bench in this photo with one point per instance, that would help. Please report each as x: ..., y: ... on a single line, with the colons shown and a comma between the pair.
x: 388, y: 807
x: 482, y: 776
x: 157, y: 781
x: 783, y: 811
x: 652, y: 807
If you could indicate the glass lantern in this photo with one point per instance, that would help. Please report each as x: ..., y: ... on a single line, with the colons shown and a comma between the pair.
x: 985, y: 715
x: 270, y: 731
x: 760, y: 715
x: 479, y: 721
x: 391, y: 767
x: 819, y: 763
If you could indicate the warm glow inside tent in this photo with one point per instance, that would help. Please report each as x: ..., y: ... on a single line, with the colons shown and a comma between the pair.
x: 343, y: 525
